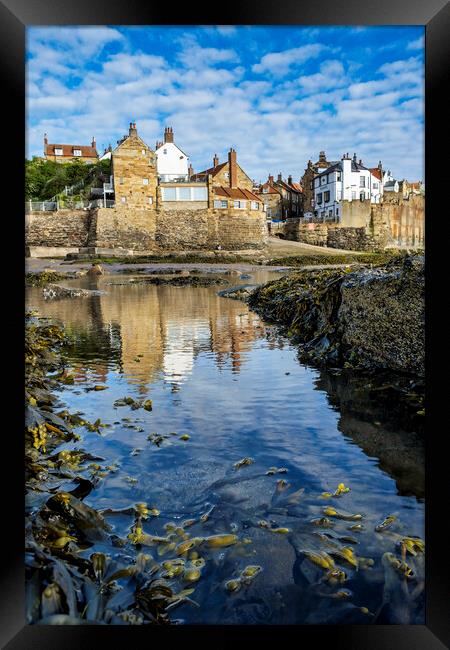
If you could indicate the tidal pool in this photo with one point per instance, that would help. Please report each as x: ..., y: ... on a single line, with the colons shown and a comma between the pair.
x: 216, y: 373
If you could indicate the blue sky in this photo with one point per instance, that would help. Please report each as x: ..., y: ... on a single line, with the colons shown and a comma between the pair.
x: 278, y: 95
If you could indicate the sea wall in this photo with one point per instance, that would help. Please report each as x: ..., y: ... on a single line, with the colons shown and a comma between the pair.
x: 397, y: 222
x: 144, y: 229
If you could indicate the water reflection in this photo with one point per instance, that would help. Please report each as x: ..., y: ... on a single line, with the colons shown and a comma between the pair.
x: 214, y: 371
x: 149, y: 332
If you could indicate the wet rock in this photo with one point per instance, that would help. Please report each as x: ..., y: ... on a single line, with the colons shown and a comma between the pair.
x: 96, y: 269
x: 369, y: 318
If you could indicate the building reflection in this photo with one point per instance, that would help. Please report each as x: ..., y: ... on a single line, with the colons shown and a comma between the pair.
x: 150, y: 332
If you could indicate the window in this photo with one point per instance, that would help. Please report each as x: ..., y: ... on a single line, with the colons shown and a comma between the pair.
x: 337, y: 212
x: 326, y: 197
x: 121, y: 180
x: 338, y: 176
x: 143, y: 152
x: 77, y: 152
x: 255, y: 205
x: 375, y: 186
x: 169, y: 194
x: 330, y: 213
x: 361, y: 196
x: 226, y: 175
x: 220, y: 204
x: 317, y: 182
x: 164, y: 150
x: 145, y: 181
x: 353, y: 196
x: 362, y: 181
x: 323, y: 180
x: 150, y: 199
x: 265, y: 190
x: 58, y: 152
x: 240, y: 204
x: 184, y: 194
x: 319, y: 198
x: 123, y: 199
x: 200, y: 194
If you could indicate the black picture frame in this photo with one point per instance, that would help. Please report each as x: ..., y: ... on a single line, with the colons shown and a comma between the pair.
x: 15, y: 16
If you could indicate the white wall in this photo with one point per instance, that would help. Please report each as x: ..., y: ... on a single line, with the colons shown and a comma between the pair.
x: 171, y: 161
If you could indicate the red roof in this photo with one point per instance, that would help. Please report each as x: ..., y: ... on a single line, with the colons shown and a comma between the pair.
x: 68, y: 149
x: 375, y: 171
x: 212, y: 170
x: 297, y: 187
x: 270, y: 188
x: 235, y: 193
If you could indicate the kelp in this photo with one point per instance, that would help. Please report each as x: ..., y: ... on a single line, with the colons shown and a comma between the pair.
x: 63, y: 587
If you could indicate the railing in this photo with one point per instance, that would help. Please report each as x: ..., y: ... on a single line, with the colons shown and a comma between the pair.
x: 173, y: 178
x: 52, y: 206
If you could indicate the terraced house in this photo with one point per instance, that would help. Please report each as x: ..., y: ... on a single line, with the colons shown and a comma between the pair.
x: 282, y: 200
x: 347, y: 180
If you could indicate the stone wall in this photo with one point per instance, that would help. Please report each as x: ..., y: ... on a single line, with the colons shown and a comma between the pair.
x: 65, y: 228
x: 133, y: 228
x: 355, y: 214
x: 308, y: 233
x: 141, y: 229
x: 406, y: 218
x: 351, y: 239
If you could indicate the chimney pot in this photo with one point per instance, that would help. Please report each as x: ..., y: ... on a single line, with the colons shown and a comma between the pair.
x: 280, y: 178
x: 215, y: 160
x: 168, y: 134
x: 289, y: 180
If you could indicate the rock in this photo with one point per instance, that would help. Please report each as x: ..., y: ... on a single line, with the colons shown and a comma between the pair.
x: 95, y: 269
x: 368, y: 318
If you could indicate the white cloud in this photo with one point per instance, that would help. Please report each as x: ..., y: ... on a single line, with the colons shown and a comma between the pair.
x: 279, y: 63
x: 418, y: 44
x: 205, y: 93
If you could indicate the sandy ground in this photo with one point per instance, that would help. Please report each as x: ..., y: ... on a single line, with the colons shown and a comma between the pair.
x: 276, y: 248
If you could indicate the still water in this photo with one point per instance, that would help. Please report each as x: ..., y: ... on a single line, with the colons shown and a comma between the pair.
x: 216, y: 372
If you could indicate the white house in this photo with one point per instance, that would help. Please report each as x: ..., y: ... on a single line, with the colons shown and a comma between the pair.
x: 171, y: 162
x: 347, y: 180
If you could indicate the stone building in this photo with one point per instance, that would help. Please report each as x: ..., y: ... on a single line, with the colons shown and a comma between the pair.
x: 134, y: 172
x: 291, y: 197
x: 206, y: 212
x: 283, y: 200
x: 63, y: 153
x: 226, y: 173
x: 307, y: 180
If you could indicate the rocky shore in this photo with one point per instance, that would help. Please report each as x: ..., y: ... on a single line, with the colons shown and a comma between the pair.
x: 368, y: 318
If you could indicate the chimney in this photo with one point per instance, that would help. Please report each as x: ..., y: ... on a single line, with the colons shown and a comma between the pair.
x: 322, y: 157
x: 168, y: 134
x: 215, y: 160
x: 354, y: 157
x: 132, y: 130
x: 270, y: 179
x: 93, y: 144
x: 280, y: 178
x: 45, y: 139
x: 360, y: 161
x: 190, y: 170
x: 289, y: 180
x: 232, y: 167
x: 346, y: 176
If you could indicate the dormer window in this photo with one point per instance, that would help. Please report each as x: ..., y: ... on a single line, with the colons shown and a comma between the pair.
x: 77, y: 152
x: 58, y: 152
